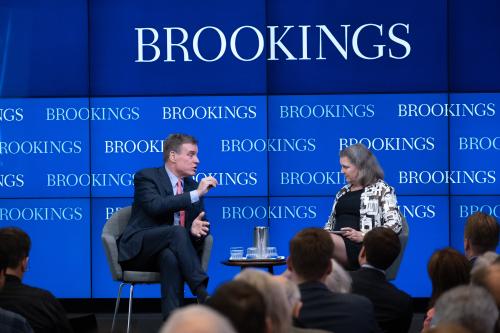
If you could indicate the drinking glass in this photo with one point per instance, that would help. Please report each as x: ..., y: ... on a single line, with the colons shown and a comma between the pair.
x: 271, y: 252
x: 236, y: 252
x: 252, y: 253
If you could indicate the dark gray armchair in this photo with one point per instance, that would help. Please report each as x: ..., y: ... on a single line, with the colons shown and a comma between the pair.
x: 392, y: 271
x: 113, y: 228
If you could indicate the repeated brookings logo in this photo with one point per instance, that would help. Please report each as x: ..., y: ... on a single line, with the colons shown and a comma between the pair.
x: 11, y: 114
x: 447, y: 110
x: 466, y: 210
x: 346, y: 40
x: 41, y: 214
x: 92, y: 113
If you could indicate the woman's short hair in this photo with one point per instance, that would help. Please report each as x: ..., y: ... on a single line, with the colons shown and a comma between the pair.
x: 367, y: 164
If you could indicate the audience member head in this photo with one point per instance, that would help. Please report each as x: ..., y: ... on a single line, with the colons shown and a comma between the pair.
x: 292, y: 293
x: 311, y: 251
x: 278, y: 311
x: 481, y: 234
x: 488, y: 277
x: 369, y: 170
x: 338, y: 281
x: 447, y: 268
x: 4, y: 260
x: 484, y: 260
x: 196, y: 319
x: 174, y: 142
x: 18, y: 244
x: 469, y: 306
x: 381, y: 246
x: 242, y: 304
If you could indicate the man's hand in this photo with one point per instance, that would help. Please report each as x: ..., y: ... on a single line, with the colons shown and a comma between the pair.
x: 206, y: 184
x: 199, y: 228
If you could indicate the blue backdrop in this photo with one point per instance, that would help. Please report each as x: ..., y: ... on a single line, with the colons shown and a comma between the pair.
x: 272, y: 90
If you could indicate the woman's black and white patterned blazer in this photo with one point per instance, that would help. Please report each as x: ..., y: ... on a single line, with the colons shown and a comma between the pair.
x: 379, y: 208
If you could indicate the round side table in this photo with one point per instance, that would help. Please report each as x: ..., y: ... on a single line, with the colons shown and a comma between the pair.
x: 259, y: 263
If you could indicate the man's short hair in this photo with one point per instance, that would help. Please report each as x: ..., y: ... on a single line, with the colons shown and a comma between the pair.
x: 18, y: 244
x: 470, y: 306
x: 174, y: 142
x: 482, y: 231
x: 242, y: 304
x: 382, y: 247
x: 310, y: 252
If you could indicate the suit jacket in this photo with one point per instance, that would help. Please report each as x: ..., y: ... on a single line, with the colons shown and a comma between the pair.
x: 154, y: 205
x: 393, y: 308
x: 335, y: 312
x: 379, y: 207
x: 39, y: 307
x: 295, y: 329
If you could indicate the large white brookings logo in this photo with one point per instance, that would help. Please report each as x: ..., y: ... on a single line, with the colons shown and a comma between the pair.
x: 345, y: 40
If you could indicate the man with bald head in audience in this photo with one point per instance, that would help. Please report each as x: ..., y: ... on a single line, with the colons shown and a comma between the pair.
x: 197, y: 319
x: 309, y: 263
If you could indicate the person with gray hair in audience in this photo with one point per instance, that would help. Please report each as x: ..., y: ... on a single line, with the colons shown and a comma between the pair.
x: 338, y: 281
x: 469, y: 306
x: 293, y: 296
x: 484, y: 260
x: 488, y: 275
x: 277, y: 308
x: 196, y: 319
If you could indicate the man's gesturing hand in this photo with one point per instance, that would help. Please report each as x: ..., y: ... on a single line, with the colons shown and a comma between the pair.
x: 199, y: 228
x: 206, y: 184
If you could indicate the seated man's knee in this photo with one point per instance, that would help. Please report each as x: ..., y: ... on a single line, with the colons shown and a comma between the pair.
x: 166, y: 256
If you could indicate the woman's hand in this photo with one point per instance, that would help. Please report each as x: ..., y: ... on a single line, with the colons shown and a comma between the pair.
x: 353, y: 234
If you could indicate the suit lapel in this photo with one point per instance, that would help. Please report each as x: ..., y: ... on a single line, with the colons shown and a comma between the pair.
x: 165, y: 181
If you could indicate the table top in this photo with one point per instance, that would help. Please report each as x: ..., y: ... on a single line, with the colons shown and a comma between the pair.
x: 255, y: 262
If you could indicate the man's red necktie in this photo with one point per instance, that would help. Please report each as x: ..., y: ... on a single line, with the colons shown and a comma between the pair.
x: 182, y: 213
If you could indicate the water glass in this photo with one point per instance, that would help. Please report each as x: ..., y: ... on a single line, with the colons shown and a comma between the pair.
x: 271, y: 252
x: 252, y: 253
x: 236, y: 253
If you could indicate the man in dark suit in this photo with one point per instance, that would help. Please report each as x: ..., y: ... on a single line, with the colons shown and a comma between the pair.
x: 167, y: 227
x: 309, y: 263
x: 41, y: 309
x: 393, y: 309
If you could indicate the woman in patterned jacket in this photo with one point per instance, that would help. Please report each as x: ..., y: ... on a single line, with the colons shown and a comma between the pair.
x: 366, y: 202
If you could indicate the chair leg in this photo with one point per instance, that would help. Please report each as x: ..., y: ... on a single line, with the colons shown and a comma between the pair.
x: 130, y: 306
x: 117, y: 305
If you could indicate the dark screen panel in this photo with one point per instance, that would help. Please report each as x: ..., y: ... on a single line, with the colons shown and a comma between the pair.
x: 357, y: 46
x: 203, y: 30
x: 44, y: 48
